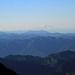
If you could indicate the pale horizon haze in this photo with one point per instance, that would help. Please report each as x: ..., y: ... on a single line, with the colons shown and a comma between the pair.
x: 50, y: 15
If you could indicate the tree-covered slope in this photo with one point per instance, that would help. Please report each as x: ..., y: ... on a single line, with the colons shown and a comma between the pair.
x: 54, y: 64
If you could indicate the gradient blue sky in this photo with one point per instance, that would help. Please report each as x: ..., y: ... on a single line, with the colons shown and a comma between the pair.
x: 51, y: 15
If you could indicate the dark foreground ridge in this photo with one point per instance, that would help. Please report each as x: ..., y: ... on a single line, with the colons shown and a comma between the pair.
x: 6, y: 71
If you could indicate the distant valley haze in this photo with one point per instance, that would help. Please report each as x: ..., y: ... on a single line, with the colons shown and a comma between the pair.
x: 36, y: 27
x: 36, y: 43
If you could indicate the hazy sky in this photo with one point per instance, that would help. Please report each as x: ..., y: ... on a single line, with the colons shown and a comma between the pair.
x: 51, y: 15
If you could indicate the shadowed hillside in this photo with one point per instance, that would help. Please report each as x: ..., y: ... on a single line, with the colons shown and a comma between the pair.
x: 54, y: 64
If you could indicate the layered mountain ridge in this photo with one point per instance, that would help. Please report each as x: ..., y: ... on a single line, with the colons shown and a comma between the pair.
x: 36, y: 46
